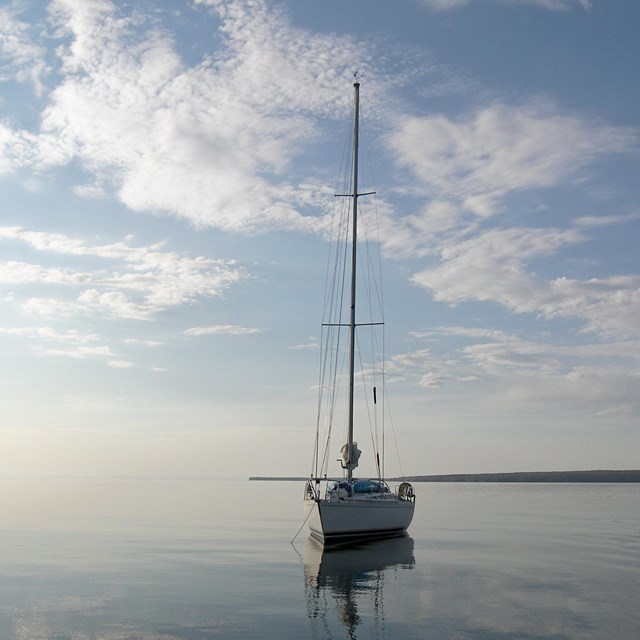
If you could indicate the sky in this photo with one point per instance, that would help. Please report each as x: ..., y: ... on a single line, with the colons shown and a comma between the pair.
x: 166, y: 172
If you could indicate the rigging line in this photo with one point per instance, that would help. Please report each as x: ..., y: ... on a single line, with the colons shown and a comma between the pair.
x: 337, y: 217
x: 376, y: 214
x: 374, y: 269
x: 373, y: 350
x: 395, y: 439
x: 369, y: 167
x: 327, y: 393
x: 380, y: 291
x: 367, y: 403
x: 372, y: 286
x: 338, y: 364
x: 334, y: 304
x: 325, y: 369
x: 329, y: 292
x: 321, y: 378
x: 301, y: 527
x: 333, y: 269
x: 373, y: 264
x: 383, y: 401
x: 336, y: 310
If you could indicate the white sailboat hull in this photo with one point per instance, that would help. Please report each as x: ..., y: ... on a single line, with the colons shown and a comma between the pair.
x: 359, y: 518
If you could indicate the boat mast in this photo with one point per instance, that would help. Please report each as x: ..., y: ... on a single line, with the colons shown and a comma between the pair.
x: 354, y: 240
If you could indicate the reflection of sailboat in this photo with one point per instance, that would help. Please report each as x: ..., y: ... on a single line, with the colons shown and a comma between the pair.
x: 341, y: 582
x: 352, y: 510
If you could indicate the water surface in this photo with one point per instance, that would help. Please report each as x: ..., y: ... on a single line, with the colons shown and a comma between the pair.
x: 162, y: 559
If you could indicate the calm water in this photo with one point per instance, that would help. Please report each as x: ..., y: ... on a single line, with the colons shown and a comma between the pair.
x: 167, y: 560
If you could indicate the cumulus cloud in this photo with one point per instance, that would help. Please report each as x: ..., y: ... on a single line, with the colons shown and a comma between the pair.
x: 216, y: 143
x: 478, y: 159
x: 494, y: 266
x: 210, y: 142
x: 490, y: 266
x: 465, y: 169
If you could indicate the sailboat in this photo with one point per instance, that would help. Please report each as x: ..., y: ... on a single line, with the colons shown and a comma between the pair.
x: 348, y: 509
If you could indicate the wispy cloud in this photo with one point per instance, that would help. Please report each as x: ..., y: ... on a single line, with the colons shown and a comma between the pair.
x: 426, y: 367
x: 80, y: 352
x: 605, y: 221
x: 221, y: 329
x: 47, y: 341
x: 71, y: 336
x: 596, y: 377
x: 131, y: 282
x: 553, y: 5
x: 18, y: 50
x: 311, y: 345
x: 120, y: 364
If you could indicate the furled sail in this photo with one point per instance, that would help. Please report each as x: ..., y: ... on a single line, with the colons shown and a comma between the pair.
x: 350, y: 458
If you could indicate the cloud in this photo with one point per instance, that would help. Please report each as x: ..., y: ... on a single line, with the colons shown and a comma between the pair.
x: 602, y: 221
x: 144, y: 343
x: 114, y: 303
x: 499, y: 358
x: 130, y: 282
x: 21, y: 55
x: 214, y: 142
x: 598, y: 378
x: 445, y: 5
x: 430, y: 369
x: 311, y: 345
x: 609, y: 306
x: 553, y: 5
x: 221, y: 329
x: 492, y: 267
x: 120, y: 364
x: 51, y: 342
x: 80, y: 353
x: 464, y: 332
x: 467, y: 168
x: 479, y: 159
x: 89, y: 191
x: 49, y: 333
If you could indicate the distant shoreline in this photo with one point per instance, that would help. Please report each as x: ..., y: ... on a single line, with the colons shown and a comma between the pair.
x: 518, y: 476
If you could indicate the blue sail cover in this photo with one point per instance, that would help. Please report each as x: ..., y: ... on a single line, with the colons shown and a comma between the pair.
x: 369, y: 486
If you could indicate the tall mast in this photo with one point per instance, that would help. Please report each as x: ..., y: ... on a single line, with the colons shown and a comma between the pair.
x: 354, y: 241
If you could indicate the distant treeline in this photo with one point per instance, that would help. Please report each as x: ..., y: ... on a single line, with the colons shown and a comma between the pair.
x: 535, y: 476
x: 518, y: 476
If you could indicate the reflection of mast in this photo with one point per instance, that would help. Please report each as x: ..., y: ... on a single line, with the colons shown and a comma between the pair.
x: 345, y: 595
x: 335, y: 579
